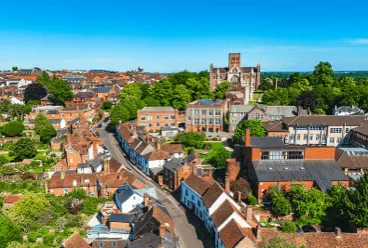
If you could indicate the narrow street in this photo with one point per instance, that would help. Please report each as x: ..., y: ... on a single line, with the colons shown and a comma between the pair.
x: 189, y: 229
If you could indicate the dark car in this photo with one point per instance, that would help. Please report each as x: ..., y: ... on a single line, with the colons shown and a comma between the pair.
x: 308, y: 228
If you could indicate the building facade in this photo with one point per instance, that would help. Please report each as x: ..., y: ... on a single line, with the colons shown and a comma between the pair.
x: 247, y: 77
x: 205, y: 115
x: 155, y: 118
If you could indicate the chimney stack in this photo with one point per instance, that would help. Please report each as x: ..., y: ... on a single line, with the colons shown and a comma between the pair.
x: 239, y: 197
x: 247, y: 137
x: 106, y: 165
x: 258, y: 233
x: 249, y: 213
x: 162, y: 230
x: 145, y: 199
x: 227, y: 184
x: 62, y: 174
x: 232, y: 168
x: 338, y: 232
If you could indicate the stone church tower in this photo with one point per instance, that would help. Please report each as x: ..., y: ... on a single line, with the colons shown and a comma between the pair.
x: 247, y: 78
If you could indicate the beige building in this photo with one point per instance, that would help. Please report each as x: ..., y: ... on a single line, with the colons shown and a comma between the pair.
x: 154, y: 118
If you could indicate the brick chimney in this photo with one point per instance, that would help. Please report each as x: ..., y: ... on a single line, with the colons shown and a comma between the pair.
x: 239, y: 197
x: 162, y: 230
x: 247, y: 137
x: 232, y: 168
x: 106, y: 164
x: 62, y: 174
x: 145, y: 199
x: 249, y: 213
x: 338, y: 232
x: 227, y: 184
x: 258, y: 233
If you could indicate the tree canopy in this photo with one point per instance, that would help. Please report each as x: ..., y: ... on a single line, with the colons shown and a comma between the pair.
x: 13, y: 128
x: 256, y: 129
x: 191, y: 139
x: 34, y: 92
x: 59, y: 90
x: 23, y: 148
x: 8, y: 231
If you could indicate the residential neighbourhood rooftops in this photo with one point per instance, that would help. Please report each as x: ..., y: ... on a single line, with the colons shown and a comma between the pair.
x: 75, y: 241
x: 353, y: 158
x: 212, y: 194
x: 199, y: 184
x: 326, y: 120
x: 232, y: 234
x: 263, y: 142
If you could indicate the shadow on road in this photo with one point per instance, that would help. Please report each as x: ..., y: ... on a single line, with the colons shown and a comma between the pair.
x: 202, y: 234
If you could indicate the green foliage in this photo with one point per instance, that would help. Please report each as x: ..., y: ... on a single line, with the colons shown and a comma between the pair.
x: 12, y: 129
x: 191, y: 139
x: 34, y: 92
x: 40, y: 121
x: 47, y: 132
x: 181, y: 97
x: 280, y: 205
x: 119, y: 114
x: 265, y: 85
x: 15, y: 68
x: 219, y: 158
x: 220, y: 91
x: 309, y: 205
x: 8, y: 231
x: 23, y: 148
x: 16, y: 244
x: 256, y: 129
x: 356, y: 202
x: 90, y: 206
x: 20, y: 186
x: 252, y: 200
x: 279, y: 242
x: 288, y: 227
x: 32, y: 212
x: 106, y: 105
x: 58, y: 89
x: 163, y: 92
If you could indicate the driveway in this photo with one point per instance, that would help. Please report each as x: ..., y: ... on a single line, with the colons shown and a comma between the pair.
x: 190, y: 230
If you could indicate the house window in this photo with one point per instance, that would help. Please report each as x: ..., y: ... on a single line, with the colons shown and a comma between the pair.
x: 298, y: 136
x: 210, y: 121
x: 196, y: 112
x: 196, y: 121
x: 157, y: 117
x: 332, y: 140
x: 186, y: 192
x: 149, y: 117
x: 166, y: 117
x: 166, y: 124
x: 150, y: 124
x: 203, y: 121
x: 317, y: 136
x: 210, y: 112
x: 347, y: 130
x: 143, y: 117
x: 335, y: 130
x: 172, y: 117
x: 157, y: 124
x: 65, y: 191
x: 217, y: 122
x: 305, y: 136
x: 203, y: 112
x: 256, y: 116
x: 133, y: 197
x: 192, y: 197
x: 199, y: 203
x: 310, y: 137
x: 217, y: 112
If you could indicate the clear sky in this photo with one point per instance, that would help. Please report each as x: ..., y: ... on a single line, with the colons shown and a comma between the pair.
x: 173, y: 35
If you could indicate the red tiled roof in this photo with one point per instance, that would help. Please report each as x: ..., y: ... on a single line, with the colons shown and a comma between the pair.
x: 11, y: 199
x: 199, y: 184
x: 212, y: 194
x: 231, y: 234
x: 75, y: 241
x: 173, y: 148
x: 222, y: 213
x: 156, y: 155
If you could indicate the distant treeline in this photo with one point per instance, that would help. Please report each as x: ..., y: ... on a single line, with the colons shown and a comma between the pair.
x: 281, y: 75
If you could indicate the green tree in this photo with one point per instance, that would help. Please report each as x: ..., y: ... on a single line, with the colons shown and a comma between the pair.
x: 23, y: 148
x: 265, y: 85
x: 17, y: 111
x: 132, y: 109
x: 151, y: 102
x: 219, y: 157
x: 40, y: 121
x: 119, y: 114
x: 307, y: 100
x: 12, y: 129
x: 256, y: 129
x: 280, y: 96
x: 16, y: 244
x: 106, y: 105
x: 34, y: 92
x: 15, y: 68
x: 8, y: 231
x: 131, y: 92
x: 32, y: 212
x: 200, y: 88
x: 181, y: 97
x: 356, y: 203
x: 280, y: 205
x: 220, y: 91
x: 191, y: 139
x: 163, y: 92
x: 60, y: 91
x: 183, y: 76
x: 47, y: 132
x: 288, y: 227
x: 309, y: 206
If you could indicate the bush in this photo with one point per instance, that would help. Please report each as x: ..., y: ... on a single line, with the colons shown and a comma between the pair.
x: 252, y: 200
x: 106, y: 105
x: 288, y: 227
x: 12, y: 129
x: 90, y: 206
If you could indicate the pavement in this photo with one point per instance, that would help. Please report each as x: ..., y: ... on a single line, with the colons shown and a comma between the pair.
x: 189, y: 229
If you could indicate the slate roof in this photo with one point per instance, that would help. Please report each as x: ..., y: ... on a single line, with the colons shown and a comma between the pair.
x: 151, y: 240
x: 157, y: 109
x: 285, y: 111
x: 326, y: 120
x: 354, y: 158
x: 102, y: 89
x: 240, y: 108
x: 363, y: 129
x: 320, y: 171
x: 109, y: 243
x: 274, y: 126
x: 84, y: 95
x: 124, y: 192
x: 174, y: 164
x: 123, y: 218
x: 264, y: 142
x: 150, y: 191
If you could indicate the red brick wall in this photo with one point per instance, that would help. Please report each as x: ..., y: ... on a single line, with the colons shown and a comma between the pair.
x: 154, y: 120
x: 319, y: 153
x: 266, y: 186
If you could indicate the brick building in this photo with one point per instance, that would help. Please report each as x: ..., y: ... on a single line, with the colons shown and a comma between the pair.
x: 359, y: 136
x: 246, y: 77
x: 154, y: 118
x: 205, y: 115
x: 268, y: 161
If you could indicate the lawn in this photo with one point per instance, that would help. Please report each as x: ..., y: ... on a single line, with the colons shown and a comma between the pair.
x: 214, y: 146
x: 256, y: 96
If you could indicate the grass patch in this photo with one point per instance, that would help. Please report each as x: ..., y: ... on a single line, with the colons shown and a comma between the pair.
x: 214, y: 146
x: 256, y: 96
x: 9, y: 158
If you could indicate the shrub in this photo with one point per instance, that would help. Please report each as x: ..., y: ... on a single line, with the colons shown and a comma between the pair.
x: 252, y: 200
x: 12, y: 129
x: 288, y: 227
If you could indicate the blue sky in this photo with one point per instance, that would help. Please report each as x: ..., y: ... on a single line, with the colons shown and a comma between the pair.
x: 169, y: 36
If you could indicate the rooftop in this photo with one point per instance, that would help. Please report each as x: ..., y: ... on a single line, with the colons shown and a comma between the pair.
x: 156, y: 109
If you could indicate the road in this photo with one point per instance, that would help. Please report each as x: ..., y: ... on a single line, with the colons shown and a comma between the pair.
x: 188, y: 237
